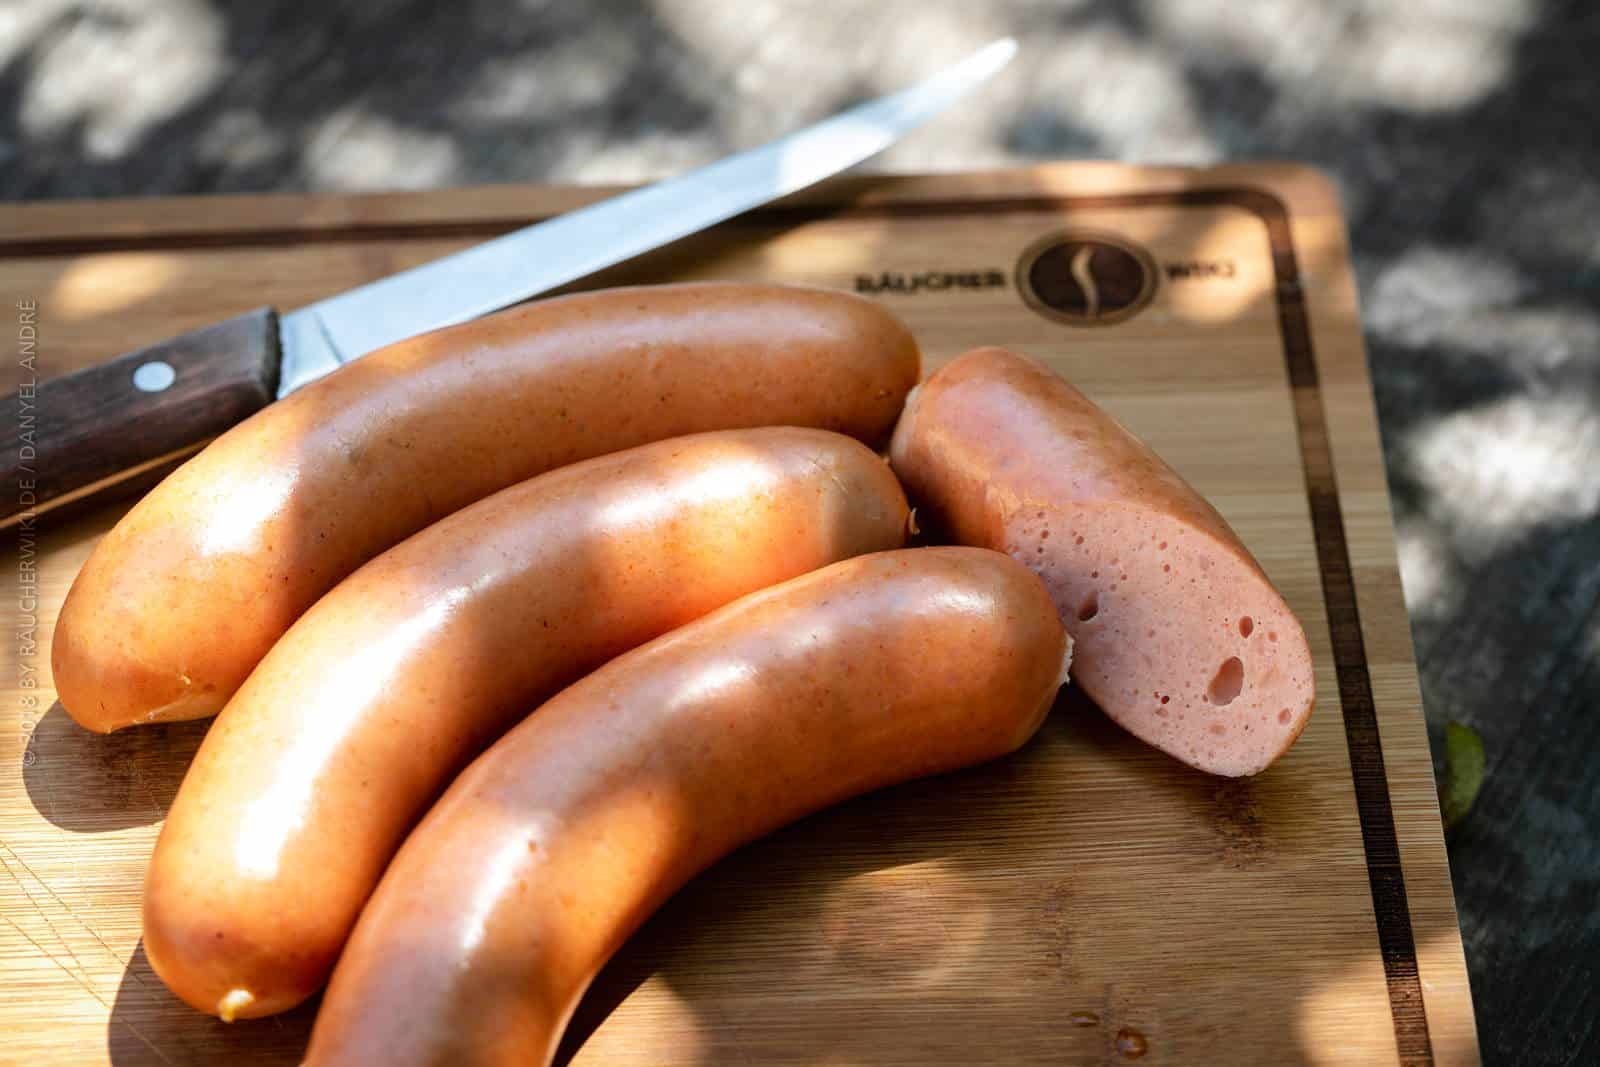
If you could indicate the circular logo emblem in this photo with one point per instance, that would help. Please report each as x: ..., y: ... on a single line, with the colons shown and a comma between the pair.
x: 1084, y: 278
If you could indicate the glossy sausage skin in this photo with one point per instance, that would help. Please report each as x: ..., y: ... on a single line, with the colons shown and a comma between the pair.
x: 354, y: 722
x: 1180, y: 637
x: 560, y: 840
x: 182, y: 599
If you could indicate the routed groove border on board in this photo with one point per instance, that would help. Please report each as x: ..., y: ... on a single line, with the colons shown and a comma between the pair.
x: 1395, y: 938
x: 1396, y: 941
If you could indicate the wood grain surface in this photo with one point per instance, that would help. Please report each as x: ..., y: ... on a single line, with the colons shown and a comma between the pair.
x: 1087, y: 901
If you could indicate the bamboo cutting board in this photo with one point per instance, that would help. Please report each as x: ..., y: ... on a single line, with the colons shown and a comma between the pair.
x: 1087, y: 901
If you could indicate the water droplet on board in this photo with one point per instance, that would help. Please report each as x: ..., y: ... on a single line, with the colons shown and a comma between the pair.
x: 1083, y: 1019
x: 1131, y: 1043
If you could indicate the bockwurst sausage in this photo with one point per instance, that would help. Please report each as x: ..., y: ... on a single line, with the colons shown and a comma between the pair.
x: 182, y: 599
x: 359, y: 716
x: 1181, y: 638
x: 560, y: 840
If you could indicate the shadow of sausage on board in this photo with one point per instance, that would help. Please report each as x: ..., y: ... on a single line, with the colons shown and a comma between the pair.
x: 93, y: 783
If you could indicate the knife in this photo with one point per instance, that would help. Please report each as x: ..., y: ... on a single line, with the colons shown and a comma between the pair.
x: 118, y: 426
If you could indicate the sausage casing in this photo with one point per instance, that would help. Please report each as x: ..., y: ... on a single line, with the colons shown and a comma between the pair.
x: 180, y: 601
x: 357, y: 718
x: 560, y: 840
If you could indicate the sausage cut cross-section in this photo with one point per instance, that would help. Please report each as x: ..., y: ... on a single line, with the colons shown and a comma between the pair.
x: 1180, y: 636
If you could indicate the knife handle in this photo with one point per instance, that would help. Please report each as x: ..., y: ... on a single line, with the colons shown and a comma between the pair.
x: 105, y: 430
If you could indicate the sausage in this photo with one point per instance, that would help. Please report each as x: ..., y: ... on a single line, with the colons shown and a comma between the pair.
x: 1181, y: 638
x: 360, y: 715
x: 564, y: 836
x: 182, y: 599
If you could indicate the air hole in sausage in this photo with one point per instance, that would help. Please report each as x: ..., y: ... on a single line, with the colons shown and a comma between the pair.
x: 1227, y: 683
x: 1089, y: 608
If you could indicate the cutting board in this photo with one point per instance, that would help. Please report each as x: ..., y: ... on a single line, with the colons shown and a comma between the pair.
x: 1088, y: 900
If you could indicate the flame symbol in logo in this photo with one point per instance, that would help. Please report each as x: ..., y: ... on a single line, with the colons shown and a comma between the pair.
x: 1086, y: 277
x: 1082, y: 274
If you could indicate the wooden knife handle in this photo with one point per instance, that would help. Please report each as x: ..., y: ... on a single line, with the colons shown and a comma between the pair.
x: 92, y: 434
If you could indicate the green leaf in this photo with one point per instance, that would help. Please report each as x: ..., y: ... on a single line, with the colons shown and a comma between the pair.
x: 1463, y: 772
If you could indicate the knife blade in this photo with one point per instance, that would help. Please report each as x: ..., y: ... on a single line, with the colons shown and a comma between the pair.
x: 121, y: 425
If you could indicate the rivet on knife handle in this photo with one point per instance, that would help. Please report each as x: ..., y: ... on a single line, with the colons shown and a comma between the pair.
x: 88, y: 435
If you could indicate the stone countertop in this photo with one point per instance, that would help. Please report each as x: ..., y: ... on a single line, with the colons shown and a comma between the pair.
x: 1462, y: 133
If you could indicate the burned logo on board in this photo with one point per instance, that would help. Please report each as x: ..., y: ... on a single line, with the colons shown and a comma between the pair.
x: 1086, y: 277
